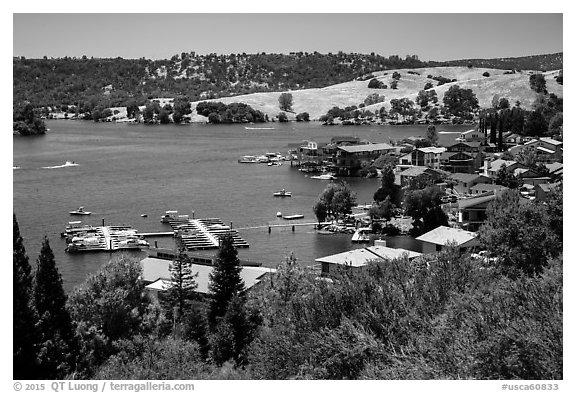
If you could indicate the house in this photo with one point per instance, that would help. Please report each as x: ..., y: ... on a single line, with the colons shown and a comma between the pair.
x: 157, y: 277
x: 491, y: 168
x: 483, y: 188
x: 462, y: 157
x: 547, y: 150
x: 555, y: 169
x: 424, y: 173
x: 423, y: 156
x: 542, y: 190
x: 472, y: 136
x: 360, y: 258
x: 437, y: 239
x: 465, y: 181
x: 472, y: 211
x: 349, y: 158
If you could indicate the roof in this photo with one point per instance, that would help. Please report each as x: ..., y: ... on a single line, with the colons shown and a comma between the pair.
x: 545, y: 150
x: 545, y: 140
x: 443, y: 235
x: 476, y: 200
x: 465, y: 177
x: 487, y: 187
x: 555, y: 166
x: 547, y: 187
x: 435, y: 150
x: 467, y: 143
x: 368, y: 147
x: 415, y: 171
x: 497, y: 164
x: 362, y: 256
x: 468, y: 132
x: 154, y: 269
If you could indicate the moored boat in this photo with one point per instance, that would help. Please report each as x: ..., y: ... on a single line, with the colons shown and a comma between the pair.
x: 294, y: 217
x: 248, y: 160
x: 361, y: 235
x: 80, y: 212
x: 171, y: 215
x: 283, y: 193
x: 324, y: 176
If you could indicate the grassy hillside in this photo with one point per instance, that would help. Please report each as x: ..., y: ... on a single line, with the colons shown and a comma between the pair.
x: 316, y: 102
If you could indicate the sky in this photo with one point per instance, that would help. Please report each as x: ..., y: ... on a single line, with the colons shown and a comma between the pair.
x: 431, y: 36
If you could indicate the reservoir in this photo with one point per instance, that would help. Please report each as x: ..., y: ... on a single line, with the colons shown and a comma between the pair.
x: 126, y: 171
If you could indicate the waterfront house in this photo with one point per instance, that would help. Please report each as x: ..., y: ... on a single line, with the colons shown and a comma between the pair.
x: 349, y: 158
x: 423, y: 156
x: 491, y: 168
x: 555, y: 169
x: 472, y: 211
x: 437, y: 239
x: 472, y: 136
x: 462, y: 157
x: 465, y: 181
x: 157, y: 277
x: 360, y: 258
x: 424, y: 173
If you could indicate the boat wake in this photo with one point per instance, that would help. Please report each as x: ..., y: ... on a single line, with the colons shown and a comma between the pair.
x: 259, y: 128
x: 449, y: 132
x: 67, y: 164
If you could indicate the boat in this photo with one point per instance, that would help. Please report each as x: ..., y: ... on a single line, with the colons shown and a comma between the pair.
x: 66, y: 164
x: 274, y: 163
x: 92, y: 243
x: 279, y: 214
x: 144, y: 215
x: 80, y: 212
x: 361, y: 235
x: 171, y: 215
x: 248, y: 160
x: 294, y: 217
x: 132, y: 243
x: 283, y: 193
x: 15, y: 167
x: 324, y: 176
x: 259, y: 128
x: 75, y: 227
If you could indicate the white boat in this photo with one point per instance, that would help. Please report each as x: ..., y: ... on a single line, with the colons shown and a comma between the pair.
x: 274, y: 163
x: 259, y: 128
x: 171, y: 215
x: 324, y: 176
x: 75, y: 227
x: 15, y: 167
x: 132, y: 243
x: 67, y: 164
x: 294, y: 217
x: 80, y: 212
x: 248, y: 160
x: 283, y: 193
x: 93, y: 243
x: 361, y: 235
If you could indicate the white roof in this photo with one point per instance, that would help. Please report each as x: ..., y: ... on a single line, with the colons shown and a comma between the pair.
x: 362, y: 256
x: 154, y: 269
x: 546, y: 140
x: 367, y: 147
x: 435, y: 150
x: 443, y: 235
x: 497, y: 164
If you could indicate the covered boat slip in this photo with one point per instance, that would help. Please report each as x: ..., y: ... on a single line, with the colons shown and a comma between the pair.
x: 205, y: 233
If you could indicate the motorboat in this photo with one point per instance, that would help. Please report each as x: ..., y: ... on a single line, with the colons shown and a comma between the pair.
x: 274, y: 163
x: 361, y: 235
x: 294, y: 217
x: 132, y: 243
x: 80, y: 212
x: 92, y: 243
x: 171, y: 215
x: 75, y: 227
x: 65, y: 165
x: 283, y: 193
x: 248, y: 160
x: 324, y: 176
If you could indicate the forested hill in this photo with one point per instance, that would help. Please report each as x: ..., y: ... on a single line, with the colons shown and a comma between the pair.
x: 94, y: 82
x: 536, y: 63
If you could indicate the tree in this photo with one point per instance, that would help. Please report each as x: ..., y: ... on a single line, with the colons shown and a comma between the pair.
x: 374, y: 98
x: 556, y: 124
x: 538, y: 83
x: 432, y: 135
x: 536, y: 124
x: 428, y: 85
x: 506, y: 178
x: 56, y: 353
x: 460, y: 102
x: 422, y: 98
x: 424, y: 207
x: 335, y: 201
x: 519, y: 235
x: 225, y: 281
x: 285, y: 101
x: 282, y: 117
x: 164, y: 116
x: 388, y: 188
x: 375, y: 84
x: 304, y: 116
x: 180, y: 293
x: 23, y: 317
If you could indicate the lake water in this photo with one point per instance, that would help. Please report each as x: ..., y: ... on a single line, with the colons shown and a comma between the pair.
x: 128, y: 170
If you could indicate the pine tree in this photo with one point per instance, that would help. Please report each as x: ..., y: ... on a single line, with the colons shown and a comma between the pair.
x: 55, y: 331
x: 24, y: 319
x: 178, y: 298
x: 225, y: 280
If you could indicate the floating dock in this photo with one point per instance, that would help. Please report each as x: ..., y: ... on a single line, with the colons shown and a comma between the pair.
x: 104, y: 238
x: 205, y: 233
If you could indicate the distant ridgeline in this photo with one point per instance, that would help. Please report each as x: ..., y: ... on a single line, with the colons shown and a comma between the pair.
x: 92, y: 83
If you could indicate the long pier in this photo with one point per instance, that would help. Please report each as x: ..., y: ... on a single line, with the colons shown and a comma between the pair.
x: 298, y: 224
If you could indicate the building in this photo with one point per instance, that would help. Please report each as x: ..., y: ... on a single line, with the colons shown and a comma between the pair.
x: 360, y: 258
x: 437, y: 239
x: 465, y: 181
x: 472, y: 136
x: 157, y: 277
x: 483, y: 188
x: 491, y: 168
x: 462, y: 157
x: 542, y: 190
x: 472, y: 211
x: 423, y: 173
x: 423, y: 156
x: 349, y: 158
